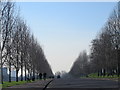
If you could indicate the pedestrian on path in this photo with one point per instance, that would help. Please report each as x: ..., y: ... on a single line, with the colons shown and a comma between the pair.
x: 40, y: 76
x: 44, y: 76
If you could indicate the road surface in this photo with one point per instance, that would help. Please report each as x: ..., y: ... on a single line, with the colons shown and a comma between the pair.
x: 68, y: 84
x: 82, y: 83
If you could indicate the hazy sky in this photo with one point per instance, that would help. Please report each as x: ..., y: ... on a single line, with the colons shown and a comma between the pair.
x: 65, y: 29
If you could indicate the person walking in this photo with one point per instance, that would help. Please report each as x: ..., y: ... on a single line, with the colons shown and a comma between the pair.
x: 40, y: 76
x: 44, y: 76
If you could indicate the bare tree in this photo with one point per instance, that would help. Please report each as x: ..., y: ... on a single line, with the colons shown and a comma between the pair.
x: 105, y: 48
x: 79, y: 67
x: 19, y: 49
x: 6, y: 19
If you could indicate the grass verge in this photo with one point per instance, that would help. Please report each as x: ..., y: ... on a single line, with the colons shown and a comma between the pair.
x: 13, y: 83
x: 95, y: 75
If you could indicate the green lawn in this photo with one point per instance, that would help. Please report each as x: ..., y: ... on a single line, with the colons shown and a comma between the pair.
x: 12, y: 83
x: 0, y: 85
x: 94, y: 75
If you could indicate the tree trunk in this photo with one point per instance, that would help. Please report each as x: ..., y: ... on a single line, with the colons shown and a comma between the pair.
x: 1, y: 67
x: 17, y: 75
x: 21, y: 68
x: 118, y: 62
x: 28, y: 74
x: 9, y: 72
x: 37, y: 75
x: 25, y: 72
x: 103, y: 72
x: 33, y: 74
x: 1, y: 73
x: 98, y: 73
x: 17, y: 66
x: 21, y: 73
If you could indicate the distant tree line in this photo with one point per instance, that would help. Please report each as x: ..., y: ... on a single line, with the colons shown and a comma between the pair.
x: 19, y: 48
x: 104, y: 57
x: 79, y: 67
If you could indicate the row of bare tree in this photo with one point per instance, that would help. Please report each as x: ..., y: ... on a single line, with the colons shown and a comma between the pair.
x: 104, y: 58
x: 105, y: 49
x: 80, y: 66
x: 19, y: 48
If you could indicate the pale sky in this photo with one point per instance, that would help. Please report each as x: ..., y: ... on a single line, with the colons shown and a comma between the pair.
x: 64, y: 29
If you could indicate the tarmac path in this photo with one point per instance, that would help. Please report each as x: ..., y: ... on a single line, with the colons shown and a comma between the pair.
x: 69, y: 84
x: 82, y: 83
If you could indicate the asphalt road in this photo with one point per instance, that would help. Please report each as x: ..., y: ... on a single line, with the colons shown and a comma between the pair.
x: 82, y: 83
x: 68, y: 84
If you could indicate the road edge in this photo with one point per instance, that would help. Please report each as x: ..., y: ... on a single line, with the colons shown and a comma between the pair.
x: 47, y: 84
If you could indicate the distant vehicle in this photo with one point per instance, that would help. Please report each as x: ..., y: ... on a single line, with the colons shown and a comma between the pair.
x: 52, y: 76
x: 58, y: 76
